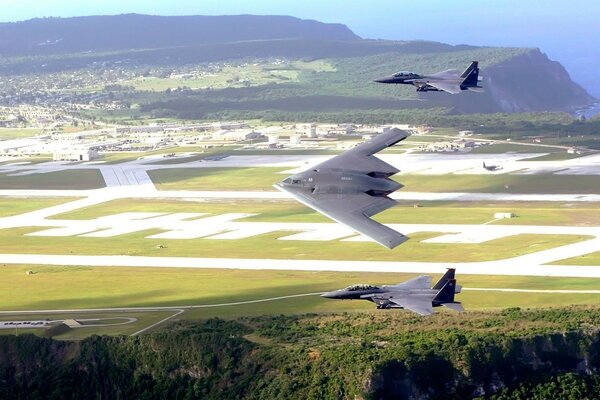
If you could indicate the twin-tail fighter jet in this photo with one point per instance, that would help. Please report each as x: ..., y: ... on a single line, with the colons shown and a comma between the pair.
x: 450, y: 81
x: 352, y: 187
x: 415, y: 295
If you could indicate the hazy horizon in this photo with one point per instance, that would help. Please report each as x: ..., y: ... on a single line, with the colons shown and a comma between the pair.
x: 556, y: 27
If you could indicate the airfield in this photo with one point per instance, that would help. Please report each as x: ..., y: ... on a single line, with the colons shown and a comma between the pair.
x: 154, y: 238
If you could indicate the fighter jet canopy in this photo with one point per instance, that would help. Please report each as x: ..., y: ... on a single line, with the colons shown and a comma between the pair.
x: 404, y: 73
x: 361, y: 287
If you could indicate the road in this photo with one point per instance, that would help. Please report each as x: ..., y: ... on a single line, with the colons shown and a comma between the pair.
x: 518, y: 266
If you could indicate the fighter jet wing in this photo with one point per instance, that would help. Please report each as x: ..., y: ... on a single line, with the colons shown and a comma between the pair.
x: 419, y: 305
x: 354, y: 211
x: 449, y: 87
x: 361, y: 157
x: 449, y: 73
x: 420, y: 282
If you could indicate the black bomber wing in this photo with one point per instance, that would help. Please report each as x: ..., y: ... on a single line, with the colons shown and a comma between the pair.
x: 361, y: 157
x: 355, y: 210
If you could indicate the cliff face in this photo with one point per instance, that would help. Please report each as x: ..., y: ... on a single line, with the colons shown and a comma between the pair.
x: 532, y: 82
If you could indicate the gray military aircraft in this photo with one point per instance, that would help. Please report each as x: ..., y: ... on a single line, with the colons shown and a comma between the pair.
x: 415, y: 295
x: 352, y: 187
x: 446, y: 81
x: 491, y: 167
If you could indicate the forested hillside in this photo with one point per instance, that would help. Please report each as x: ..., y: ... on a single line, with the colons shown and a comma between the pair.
x: 516, y: 354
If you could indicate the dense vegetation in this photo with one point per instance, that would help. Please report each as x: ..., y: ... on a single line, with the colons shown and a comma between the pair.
x: 516, y: 353
x: 349, y: 92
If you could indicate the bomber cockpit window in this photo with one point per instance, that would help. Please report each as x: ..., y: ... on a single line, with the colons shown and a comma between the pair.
x: 296, y: 181
x: 287, y: 180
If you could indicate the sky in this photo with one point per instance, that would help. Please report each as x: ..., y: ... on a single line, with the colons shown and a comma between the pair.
x: 566, y: 30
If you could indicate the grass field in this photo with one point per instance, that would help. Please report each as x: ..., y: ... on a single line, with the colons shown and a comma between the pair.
x: 262, y: 178
x: 501, y: 183
x: 586, y: 259
x: 18, y: 133
x: 267, y: 246
x: 498, y: 148
x: 217, y: 178
x: 429, y: 212
x: 234, y: 76
x: 15, y: 206
x: 75, y: 179
x: 107, y: 287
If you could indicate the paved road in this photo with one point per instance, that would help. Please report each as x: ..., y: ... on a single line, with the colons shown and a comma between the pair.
x: 144, y: 191
x: 429, y: 164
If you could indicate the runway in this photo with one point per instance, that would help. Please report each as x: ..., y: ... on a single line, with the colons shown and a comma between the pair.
x: 135, y: 172
x: 518, y: 266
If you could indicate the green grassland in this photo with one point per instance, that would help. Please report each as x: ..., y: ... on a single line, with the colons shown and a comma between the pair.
x: 428, y: 212
x: 104, y: 287
x: 18, y: 133
x: 267, y: 246
x: 262, y: 178
x: 235, y: 76
x: 499, y: 148
x: 257, y: 178
x: 15, y: 206
x: 75, y: 179
x: 502, y: 183
x: 586, y: 259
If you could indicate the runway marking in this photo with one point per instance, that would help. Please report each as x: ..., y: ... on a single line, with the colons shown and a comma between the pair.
x: 179, y: 312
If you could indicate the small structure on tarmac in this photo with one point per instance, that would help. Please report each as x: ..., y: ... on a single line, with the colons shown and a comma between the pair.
x: 502, y: 215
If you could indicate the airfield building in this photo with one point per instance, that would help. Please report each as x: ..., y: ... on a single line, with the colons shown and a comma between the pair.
x: 75, y: 154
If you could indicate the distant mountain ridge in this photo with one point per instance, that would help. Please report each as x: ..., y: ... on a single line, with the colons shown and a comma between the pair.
x: 136, y: 31
x: 515, y: 80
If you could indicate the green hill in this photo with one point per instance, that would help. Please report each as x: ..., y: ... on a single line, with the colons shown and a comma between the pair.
x: 513, y: 354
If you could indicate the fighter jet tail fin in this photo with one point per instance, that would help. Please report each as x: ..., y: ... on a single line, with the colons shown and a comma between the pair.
x: 471, y: 76
x: 448, y: 275
x: 446, y: 293
x: 445, y: 296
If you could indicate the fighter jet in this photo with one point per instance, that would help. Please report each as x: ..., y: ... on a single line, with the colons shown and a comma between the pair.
x: 491, y: 167
x: 446, y: 81
x: 415, y: 295
x: 352, y: 187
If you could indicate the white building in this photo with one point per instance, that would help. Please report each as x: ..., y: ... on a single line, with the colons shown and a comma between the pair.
x: 75, y: 154
x: 236, y: 136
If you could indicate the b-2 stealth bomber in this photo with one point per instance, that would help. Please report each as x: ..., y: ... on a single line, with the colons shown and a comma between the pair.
x: 449, y: 81
x: 352, y: 187
x: 415, y: 295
